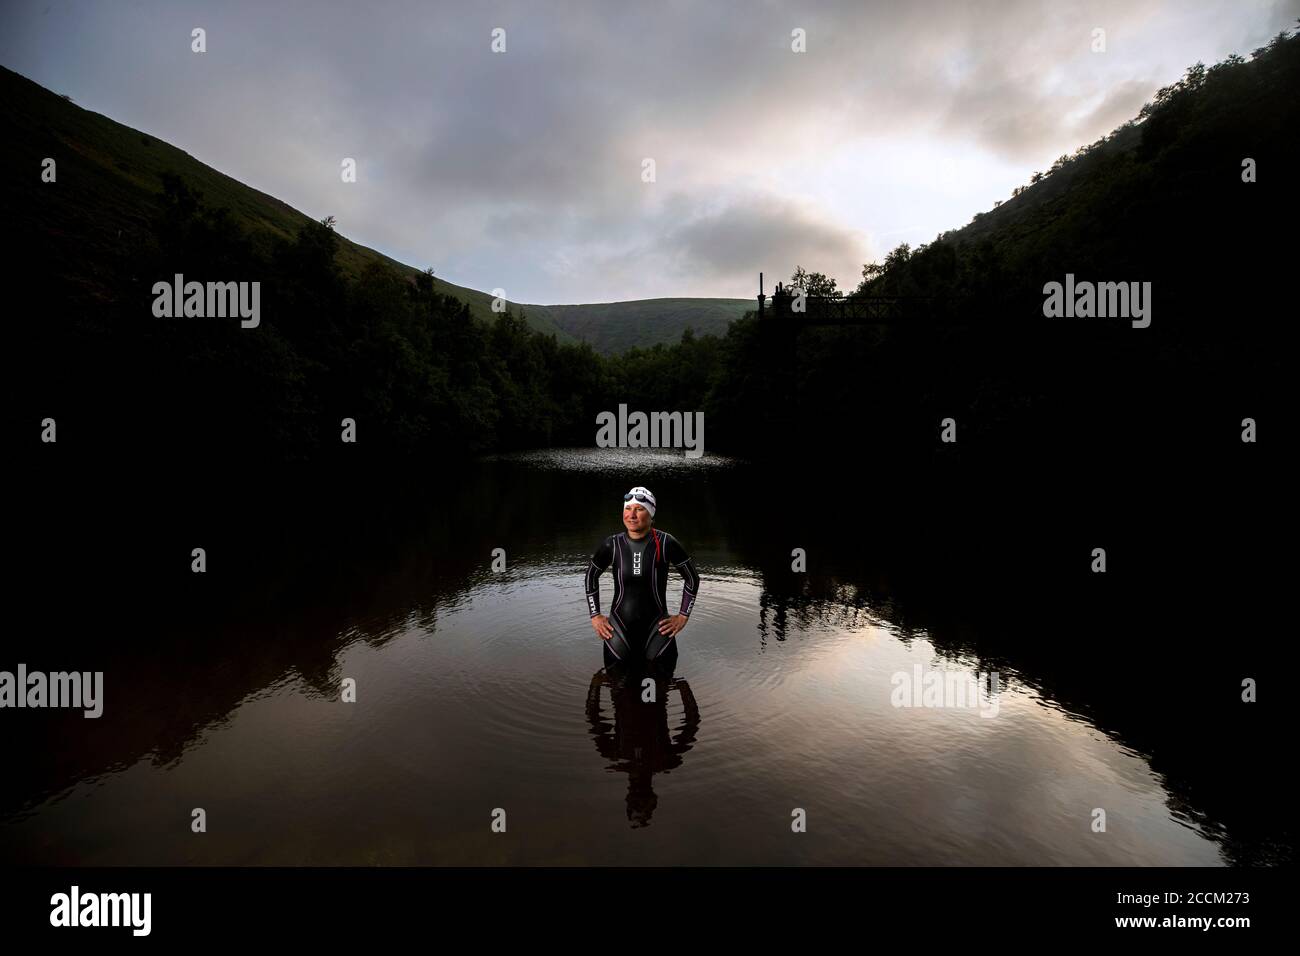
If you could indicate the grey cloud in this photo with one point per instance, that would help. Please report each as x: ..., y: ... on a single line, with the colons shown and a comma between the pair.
x: 724, y: 248
x: 526, y: 164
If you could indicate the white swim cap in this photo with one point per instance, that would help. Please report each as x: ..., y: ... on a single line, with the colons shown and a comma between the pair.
x: 640, y: 496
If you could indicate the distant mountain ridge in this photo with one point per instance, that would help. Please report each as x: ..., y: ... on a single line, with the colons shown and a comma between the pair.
x: 110, y: 185
x: 613, y: 327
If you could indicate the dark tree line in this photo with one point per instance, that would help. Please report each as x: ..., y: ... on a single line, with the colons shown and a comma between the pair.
x: 1160, y: 200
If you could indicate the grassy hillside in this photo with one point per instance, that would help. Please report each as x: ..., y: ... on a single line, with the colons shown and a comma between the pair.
x: 109, y: 188
x: 1162, y: 198
x: 1162, y: 201
x: 612, y: 327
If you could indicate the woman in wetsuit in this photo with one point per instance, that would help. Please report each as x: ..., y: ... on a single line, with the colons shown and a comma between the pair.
x: 639, y: 627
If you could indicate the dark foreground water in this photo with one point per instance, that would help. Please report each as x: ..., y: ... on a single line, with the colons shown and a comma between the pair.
x: 480, y: 691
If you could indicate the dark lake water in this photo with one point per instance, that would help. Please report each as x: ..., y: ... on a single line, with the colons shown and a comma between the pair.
x: 479, y: 689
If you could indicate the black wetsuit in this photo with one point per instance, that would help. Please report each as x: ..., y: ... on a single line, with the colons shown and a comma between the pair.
x: 640, y: 599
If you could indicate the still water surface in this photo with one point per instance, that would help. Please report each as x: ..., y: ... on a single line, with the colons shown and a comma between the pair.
x: 479, y: 690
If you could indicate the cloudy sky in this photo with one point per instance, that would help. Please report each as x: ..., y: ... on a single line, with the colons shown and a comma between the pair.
x: 523, y: 169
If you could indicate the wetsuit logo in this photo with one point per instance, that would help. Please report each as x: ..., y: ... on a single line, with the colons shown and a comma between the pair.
x: 636, y: 564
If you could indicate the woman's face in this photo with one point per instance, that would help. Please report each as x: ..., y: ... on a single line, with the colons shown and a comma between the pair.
x: 635, y: 517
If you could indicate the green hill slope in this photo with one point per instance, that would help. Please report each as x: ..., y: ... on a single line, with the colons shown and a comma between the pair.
x: 109, y: 188
x: 613, y: 327
x: 1161, y: 197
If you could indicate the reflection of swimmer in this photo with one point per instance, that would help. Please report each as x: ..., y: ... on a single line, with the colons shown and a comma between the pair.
x: 638, y: 626
x: 638, y: 742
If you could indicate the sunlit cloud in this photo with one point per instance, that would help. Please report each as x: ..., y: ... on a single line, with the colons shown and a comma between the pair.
x: 522, y: 169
